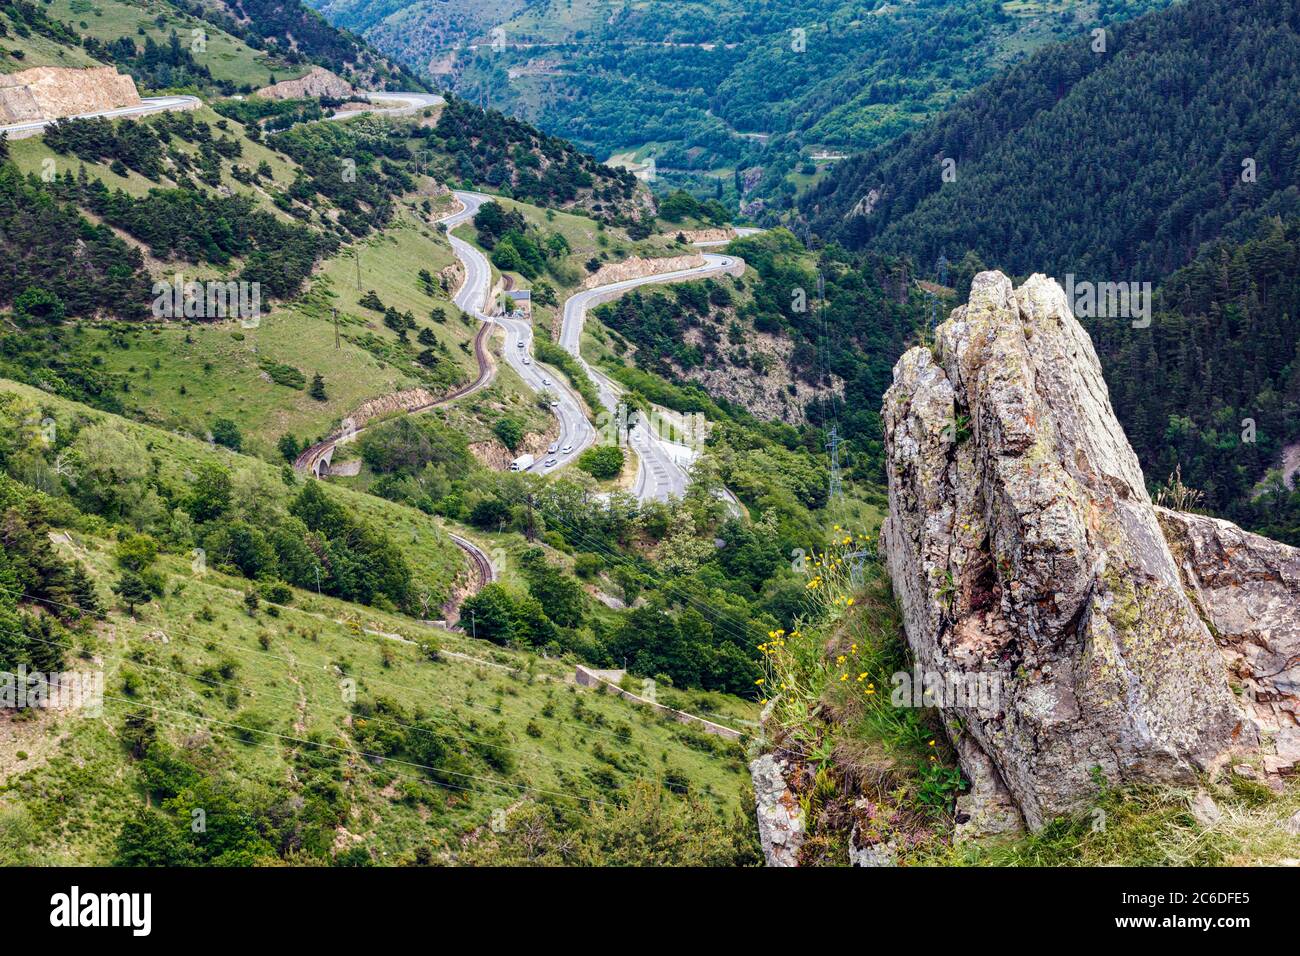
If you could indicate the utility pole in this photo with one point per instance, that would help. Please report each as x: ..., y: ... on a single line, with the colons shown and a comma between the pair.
x: 337, y: 346
x: 837, y: 481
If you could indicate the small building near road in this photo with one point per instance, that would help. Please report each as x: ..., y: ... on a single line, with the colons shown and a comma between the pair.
x: 517, y: 303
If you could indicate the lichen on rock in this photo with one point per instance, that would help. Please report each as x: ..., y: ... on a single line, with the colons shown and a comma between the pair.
x: 781, y: 828
x: 1021, y: 542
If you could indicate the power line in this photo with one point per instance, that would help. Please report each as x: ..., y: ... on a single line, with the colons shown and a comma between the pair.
x: 836, y: 479
x: 373, y: 680
x: 318, y: 744
x: 296, y: 701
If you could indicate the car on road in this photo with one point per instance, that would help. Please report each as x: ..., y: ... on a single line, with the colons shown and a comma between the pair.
x: 527, y: 360
x: 555, y: 404
x: 566, y: 449
x: 554, y: 447
x: 519, y: 344
x: 546, y: 381
x: 552, y: 462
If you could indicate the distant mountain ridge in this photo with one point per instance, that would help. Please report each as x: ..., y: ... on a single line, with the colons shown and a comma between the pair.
x: 1142, y: 153
x: 733, y: 95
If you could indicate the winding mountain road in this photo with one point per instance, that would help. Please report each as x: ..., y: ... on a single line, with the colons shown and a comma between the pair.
x: 576, y: 432
x: 663, y: 469
x: 664, y: 466
x: 149, y: 104
x: 411, y: 103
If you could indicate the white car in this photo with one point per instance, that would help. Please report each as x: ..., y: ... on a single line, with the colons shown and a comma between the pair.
x: 566, y: 449
x: 546, y: 381
x: 519, y: 344
x: 555, y: 446
x: 555, y: 404
x: 552, y: 462
x: 527, y: 360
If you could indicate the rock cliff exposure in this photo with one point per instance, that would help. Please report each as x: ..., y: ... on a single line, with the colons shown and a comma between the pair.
x: 318, y: 81
x: 1123, y: 639
x: 50, y: 92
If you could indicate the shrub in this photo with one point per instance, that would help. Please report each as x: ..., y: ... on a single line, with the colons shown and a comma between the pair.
x: 604, y: 462
x: 226, y: 433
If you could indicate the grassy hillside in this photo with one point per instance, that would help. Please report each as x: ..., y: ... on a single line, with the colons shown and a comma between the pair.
x: 191, y: 44
x: 30, y: 155
x: 241, y: 190
x: 152, y: 527
x: 228, y: 58
x: 394, y: 739
x: 38, y: 43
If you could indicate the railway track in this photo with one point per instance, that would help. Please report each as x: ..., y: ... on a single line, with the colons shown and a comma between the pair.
x: 309, y: 458
x: 480, y: 561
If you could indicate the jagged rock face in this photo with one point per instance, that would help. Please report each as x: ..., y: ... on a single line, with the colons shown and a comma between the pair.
x: 318, y: 81
x: 1248, y: 589
x: 50, y: 92
x: 1023, y: 546
x: 636, y: 268
x: 780, y: 818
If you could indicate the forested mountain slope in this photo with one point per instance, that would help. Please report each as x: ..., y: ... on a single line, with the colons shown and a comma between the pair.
x: 719, y: 87
x: 1160, y: 160
x: 1114, y: 165
x: 1212, y: 388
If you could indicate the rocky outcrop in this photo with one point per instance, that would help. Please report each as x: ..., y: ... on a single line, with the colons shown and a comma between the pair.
x: 1247, y: 589
x: 756, y: 374
x: 408, y: 400
x: 318, y: 82
x: 496, y: 456
x: 720, y: 234
x: 1025, y: 552
x: 637, y: 268
x: 1290, y: 465
x: 51, y: 92
x: 780, y: 818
